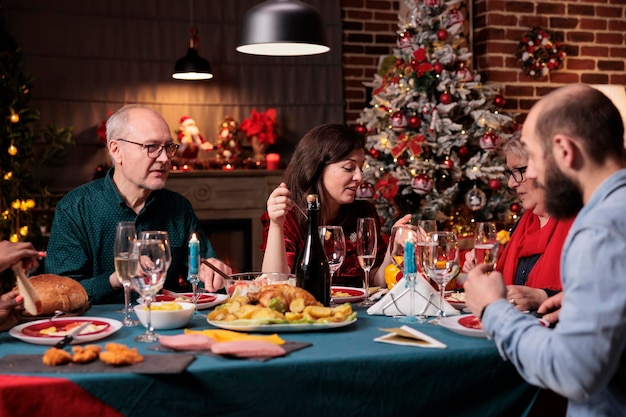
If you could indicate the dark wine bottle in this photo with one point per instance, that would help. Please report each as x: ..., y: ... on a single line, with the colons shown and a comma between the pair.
x: 312, y: 271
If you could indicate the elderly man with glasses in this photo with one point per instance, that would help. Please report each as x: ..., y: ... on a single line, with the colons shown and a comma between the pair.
x: 83, y: 229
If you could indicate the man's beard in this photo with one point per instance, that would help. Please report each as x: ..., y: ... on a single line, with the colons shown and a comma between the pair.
x: 563, y: 196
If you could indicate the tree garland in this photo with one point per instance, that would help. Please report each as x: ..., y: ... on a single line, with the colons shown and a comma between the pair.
x: 539, y: 53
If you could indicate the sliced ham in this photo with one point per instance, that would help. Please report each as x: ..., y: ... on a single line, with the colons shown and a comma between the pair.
x: 187, y: 342
x: 248, y: 349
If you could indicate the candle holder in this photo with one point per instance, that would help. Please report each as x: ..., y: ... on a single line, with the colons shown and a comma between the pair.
x: 192, y: 276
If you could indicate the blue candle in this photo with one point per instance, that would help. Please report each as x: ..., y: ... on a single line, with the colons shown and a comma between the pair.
x: 194, y: 254
x: 409, y: 258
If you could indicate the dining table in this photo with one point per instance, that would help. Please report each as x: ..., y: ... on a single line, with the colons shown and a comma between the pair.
x: 343, y: 371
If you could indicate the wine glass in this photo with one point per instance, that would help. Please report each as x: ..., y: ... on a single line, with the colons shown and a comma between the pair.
x: 486, y: 243
x: 366, y: 242
x: 334, y: 243
x: 149, y: 256
x: 125, y: 235
x: 402, y: 249
x: 164, y: 237
x: 440, y: 262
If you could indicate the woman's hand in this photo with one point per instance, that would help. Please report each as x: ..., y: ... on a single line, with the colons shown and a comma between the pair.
x: 470, y: 261
x: 525, y: 298
x: 279, y: 203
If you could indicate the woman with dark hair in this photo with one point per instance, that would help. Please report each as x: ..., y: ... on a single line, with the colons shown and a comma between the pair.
x: 327, y: 162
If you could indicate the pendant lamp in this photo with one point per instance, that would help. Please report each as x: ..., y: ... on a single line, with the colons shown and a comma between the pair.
x: 283, y: 28
x: 192, y: 66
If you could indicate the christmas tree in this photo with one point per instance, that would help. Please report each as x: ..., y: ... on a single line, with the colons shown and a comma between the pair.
x: 434, y: 129
x: 24, y: 152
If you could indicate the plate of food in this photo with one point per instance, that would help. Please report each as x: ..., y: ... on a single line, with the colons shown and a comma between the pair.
x: 206, y: 300
x: 275, y: 326
x: 456, y: 299
x: 341, y: 295
x: 49, y: 332
x: 466, y: 325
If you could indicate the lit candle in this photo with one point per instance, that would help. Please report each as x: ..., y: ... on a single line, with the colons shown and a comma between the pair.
x: 228, y: 167
x: 272, y: 160
x: 194, y: 254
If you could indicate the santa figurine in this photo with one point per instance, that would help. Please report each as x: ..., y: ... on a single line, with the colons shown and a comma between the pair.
x: 190, y: 139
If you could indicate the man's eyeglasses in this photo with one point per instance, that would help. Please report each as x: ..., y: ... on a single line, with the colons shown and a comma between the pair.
x: 154, y: 150
x: 516, y: 173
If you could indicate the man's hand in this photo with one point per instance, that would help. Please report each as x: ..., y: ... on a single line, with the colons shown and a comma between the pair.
x: 211, y: 279
x: 11, y: 253
x: 483, y: 287
x: 11, y: 307
x: 551, y: 308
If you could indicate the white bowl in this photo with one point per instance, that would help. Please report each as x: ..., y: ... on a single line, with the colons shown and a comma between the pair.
x: 165, y: 319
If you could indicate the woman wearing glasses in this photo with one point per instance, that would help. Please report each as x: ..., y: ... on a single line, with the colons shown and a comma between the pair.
x: 530, y: 261
x: 83, y: 230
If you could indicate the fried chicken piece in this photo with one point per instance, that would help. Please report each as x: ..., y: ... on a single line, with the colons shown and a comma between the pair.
x: 85, y: 354
x: 285, y: 293
x: 55, y: 357
x: 120, y: 355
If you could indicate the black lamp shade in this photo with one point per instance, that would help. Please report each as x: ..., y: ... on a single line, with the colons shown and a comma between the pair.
x: 283, y: 28
x: 192, y: 67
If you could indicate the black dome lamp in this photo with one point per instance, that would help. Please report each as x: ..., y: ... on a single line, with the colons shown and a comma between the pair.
x: 192, y: 66
x: 283, y: 28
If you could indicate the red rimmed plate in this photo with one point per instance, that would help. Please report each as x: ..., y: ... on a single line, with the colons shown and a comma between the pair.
x: 41, y: 332
x: 455, y: 299
x: 340, y: 295
x: 206, y: 300
x: 466, y: 325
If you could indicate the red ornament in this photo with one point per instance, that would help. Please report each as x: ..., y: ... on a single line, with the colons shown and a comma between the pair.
x: 516, y: 208
x: 495, y: 184
x: 401, y: 162
x: 422, y: 184
x: 374, y: 153
x: 365, y: 191
x: 405, y: 39
x: 398, y: 121
x: 448, y: 163
x: 361, y: 129
x: 438, y: 67
x: 489, y: 141
x: 499, y: 101
x: 415, y: 122
x: 442, y: 34
x: 463, y: 151
x: 445, y: 98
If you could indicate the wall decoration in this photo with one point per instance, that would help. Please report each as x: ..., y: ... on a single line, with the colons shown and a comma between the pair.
x: 539, y: 52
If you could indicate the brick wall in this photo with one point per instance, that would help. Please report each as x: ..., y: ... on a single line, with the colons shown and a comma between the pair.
x: 593, y: 31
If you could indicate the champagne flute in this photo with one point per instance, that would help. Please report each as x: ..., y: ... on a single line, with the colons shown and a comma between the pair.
x: 366, y: 243
x: 334, y: 243
x: 486, y: 243
x: 425, y: 228
x: 125, y: 235
x: 148, y: 278
x: 440, y: 261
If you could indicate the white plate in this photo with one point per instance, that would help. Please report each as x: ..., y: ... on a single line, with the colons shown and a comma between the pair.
x: 212, y: 299
x: 459, y: 305
x: 254, y: 326
x: 462, y: 325
x: 28, y: 332
x: 356, y: 294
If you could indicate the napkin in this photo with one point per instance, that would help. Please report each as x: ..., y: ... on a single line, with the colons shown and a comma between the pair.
x: 397, y: 302
x: 408, y: 336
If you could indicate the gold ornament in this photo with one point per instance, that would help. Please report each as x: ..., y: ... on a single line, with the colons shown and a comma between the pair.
x: 12, y: 150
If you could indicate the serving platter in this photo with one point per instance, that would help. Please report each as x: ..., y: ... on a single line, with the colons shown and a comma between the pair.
x: 206, y: 300
x: 466, y: 325
x: 31, y: 332
x: 264, y: 327
x: 354, y: 294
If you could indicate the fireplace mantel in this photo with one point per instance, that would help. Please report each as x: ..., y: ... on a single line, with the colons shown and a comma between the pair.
x: 220, y: 195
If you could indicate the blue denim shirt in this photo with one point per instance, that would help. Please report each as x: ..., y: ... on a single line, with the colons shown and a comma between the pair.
x: 583, y: 358
x: 83, y: 233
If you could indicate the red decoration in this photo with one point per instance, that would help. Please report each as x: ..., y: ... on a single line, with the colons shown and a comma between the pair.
x: 263, y: 125
x: 398, y: 121
x: 448, y: 163
x: 463, y: 151
x: 374, y: 153
x: 516, y: 208
x: 442, y: 34
x: 422, y: 184
x: 412, y: 142
x: 489, y: 141
x: 401, y: 162
x: 387, y: 187
x: 101, y: 130
x: 445, y: 98
x: 499, y: 101
x: 415, y: 122
x: 495, y: 184
x: 361, y: 129
x: 438, y: 66
x: 405, y: 40
x: 365, y: 191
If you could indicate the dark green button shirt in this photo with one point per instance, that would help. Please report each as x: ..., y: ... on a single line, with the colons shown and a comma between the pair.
x: 83, y: 233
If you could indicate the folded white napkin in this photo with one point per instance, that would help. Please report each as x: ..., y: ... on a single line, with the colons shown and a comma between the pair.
x: 397, y: 302
x: 408, y: 336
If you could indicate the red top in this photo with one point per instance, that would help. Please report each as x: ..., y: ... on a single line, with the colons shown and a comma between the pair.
x: 350, y: 273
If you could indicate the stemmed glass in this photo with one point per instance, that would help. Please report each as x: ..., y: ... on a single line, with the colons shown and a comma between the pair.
x: 125, y: 235
x: 425, y: 228
x: 486, y: 243
x: 400, y: 236
x: 440, y: 261
x: 334, y: 243
x: 148, y: 278
x: 164, y: 237
x: 366, y: 243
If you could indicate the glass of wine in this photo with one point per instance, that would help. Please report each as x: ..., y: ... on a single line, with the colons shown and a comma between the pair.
x: 403, y: 244
x: 424, y: 228
x: 334, y: 243
x: 164, y: 237
x: 148, y: 277
x: 486, y: 243
x: 366, y: 243
x: 440, y: 262
x: 125, y: 235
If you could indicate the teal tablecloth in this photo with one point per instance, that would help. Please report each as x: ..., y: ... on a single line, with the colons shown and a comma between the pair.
x: 345, y: 373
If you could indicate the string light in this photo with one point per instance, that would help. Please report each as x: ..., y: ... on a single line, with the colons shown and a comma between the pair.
x: 12, y: 150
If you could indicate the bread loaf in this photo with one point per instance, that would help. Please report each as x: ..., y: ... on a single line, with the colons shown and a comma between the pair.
x: 59, y: 293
